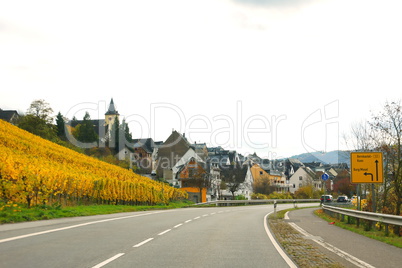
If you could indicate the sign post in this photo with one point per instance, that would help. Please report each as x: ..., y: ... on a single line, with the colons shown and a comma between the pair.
x: 325, y: 177
x: 366, y: 167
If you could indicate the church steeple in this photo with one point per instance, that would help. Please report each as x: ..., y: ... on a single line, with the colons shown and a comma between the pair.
x: 112, y: 109
x: 111, y: 115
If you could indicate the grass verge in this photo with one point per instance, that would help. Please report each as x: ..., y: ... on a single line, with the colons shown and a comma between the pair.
x: 11, y: 213
x: 375, y: 232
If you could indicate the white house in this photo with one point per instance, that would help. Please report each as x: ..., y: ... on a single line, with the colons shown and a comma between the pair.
x: 184, y: 160
x: 303, y: 176
x: 245, y: 188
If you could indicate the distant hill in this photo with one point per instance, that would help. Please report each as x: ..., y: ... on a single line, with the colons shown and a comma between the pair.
x: 332, y: 157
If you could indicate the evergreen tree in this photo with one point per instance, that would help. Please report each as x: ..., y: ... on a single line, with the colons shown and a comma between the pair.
x: 74, y: 120
x: 127, y: 135
x: 85, y: 132
x: 60, y: 125
x: 114, y: 140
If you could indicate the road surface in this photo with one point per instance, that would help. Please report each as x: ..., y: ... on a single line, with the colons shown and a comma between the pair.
x: 191, y: 237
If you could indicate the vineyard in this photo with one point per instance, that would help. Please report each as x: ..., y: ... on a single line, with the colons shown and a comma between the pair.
x: 36, y: 171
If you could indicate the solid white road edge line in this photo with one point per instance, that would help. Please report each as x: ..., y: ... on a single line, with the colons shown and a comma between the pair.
x: 108, y: 260
x: 337, y: 251
x: 75, y: 226
x: 276, y: 245
x: 143, y: 242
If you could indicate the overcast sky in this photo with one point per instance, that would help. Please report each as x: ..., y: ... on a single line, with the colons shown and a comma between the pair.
x: 276, y: 77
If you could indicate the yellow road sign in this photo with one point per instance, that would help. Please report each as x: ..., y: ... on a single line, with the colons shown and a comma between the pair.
x: 366, y: 167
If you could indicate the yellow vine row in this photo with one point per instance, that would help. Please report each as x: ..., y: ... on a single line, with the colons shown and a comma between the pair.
x: 34, y: 171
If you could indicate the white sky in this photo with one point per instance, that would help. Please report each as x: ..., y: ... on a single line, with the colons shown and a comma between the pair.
x: 276, y: 77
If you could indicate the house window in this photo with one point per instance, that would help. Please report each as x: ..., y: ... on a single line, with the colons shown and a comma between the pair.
x: 300, y: 178
x: 260, y: 172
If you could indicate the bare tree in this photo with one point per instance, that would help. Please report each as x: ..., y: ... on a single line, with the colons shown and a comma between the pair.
x: 361, y: 136
x: 388, y: 127
x: 234, y: 176
x: 40, y: 108
x: 361, y: 139
x: 263, y: 185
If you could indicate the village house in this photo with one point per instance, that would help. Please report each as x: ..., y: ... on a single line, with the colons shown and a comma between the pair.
x: 189, y: 155
x: 10, y: 116
x: 219, y: 162
x: 213, y: 191
x: 241, y: 183
x: 300, y: 176
x: 194, y: 179
x: 169, y: 153
x: 276, y: 179
x: 139, y: 153
x: 201, y: 150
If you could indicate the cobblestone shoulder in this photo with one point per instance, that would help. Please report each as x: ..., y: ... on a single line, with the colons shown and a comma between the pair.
x: 302, y: 251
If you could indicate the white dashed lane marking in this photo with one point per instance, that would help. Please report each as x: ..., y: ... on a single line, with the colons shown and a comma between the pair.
x: 143, y: 242
x: 108, y: 260
x: 164, y: 232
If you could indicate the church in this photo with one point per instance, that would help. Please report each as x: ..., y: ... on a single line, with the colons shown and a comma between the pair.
x: 138, y: 152
x: 102, y: 126
x: 111, y: 115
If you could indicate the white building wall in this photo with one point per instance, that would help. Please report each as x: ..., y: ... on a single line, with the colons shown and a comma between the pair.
x: 298, y: 179
x: 246, y: 188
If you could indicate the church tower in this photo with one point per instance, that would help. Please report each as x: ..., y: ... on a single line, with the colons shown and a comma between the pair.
x: 111, y: 115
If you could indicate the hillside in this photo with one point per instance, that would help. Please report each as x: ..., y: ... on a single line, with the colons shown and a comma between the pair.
x: 332, y: 157
x: 35, y: 171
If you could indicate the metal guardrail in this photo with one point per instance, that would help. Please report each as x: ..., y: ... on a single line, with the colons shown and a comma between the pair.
x: 371, y: 216
x: 258, y: 201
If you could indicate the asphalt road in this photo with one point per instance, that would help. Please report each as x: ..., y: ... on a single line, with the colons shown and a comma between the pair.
x: 193, y: 237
